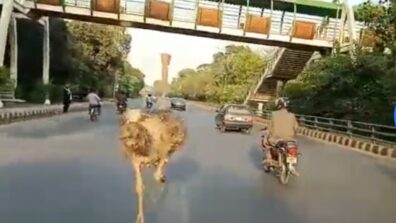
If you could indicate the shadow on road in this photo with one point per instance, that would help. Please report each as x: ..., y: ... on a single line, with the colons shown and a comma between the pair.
x: 256, y: 156
x: 182, y: 169
x: 222, y: 191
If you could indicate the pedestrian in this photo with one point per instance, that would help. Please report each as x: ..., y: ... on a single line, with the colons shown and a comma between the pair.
x: 67, y: 98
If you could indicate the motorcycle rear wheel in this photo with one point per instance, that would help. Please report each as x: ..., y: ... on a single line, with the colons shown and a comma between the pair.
x: 93, y: 116
x: 284, y: 174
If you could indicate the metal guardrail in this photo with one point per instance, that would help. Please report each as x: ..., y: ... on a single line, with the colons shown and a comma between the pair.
x: 374, y: 133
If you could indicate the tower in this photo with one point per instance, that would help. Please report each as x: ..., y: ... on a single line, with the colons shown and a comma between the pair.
x: 165, y: 60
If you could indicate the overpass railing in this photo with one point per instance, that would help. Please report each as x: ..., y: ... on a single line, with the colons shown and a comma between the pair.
x: 370, y: 132
x: 232, y: 17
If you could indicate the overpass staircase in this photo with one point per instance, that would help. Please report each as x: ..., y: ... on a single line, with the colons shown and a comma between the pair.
x: 286, y: 65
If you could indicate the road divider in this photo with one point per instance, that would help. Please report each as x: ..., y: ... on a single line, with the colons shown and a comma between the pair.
x: 12, y: 115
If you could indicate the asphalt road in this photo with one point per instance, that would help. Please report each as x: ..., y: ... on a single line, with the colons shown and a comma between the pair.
x: 66, y: 169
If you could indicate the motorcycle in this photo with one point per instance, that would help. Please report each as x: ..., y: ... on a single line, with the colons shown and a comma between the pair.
x: 284, y: 157
x: 149, y: 105
x: 93, y: 113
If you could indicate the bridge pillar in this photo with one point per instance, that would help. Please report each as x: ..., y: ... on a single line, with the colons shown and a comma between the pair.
x: 351, y: 26
x: 260, y: 106
x: 46, y: 56
x: 279, y: 87
x: 8, y: 6
x: 14, y: 51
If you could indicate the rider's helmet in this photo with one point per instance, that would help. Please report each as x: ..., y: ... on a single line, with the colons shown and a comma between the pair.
x: 281, y: 103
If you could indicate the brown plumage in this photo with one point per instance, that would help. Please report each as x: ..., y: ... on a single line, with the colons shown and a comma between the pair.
x: 149, y: 139
x: 154, y: 135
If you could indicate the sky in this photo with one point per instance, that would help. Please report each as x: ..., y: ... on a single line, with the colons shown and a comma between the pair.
x: 186, y: 51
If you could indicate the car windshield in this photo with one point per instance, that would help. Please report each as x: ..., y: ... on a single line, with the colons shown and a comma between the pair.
x: 241, y: 110
x: 178, y: 100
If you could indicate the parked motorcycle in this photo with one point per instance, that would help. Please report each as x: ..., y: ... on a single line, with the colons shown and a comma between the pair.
x: 284, y: 157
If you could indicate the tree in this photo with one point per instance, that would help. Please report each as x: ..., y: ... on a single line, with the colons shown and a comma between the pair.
x: 83, y: 54
x: 102, y: 49
x: 227, y: 79
x: 339, y: 87
x: 131, y: 80
x: 381, y: 20
x: 362, y: 89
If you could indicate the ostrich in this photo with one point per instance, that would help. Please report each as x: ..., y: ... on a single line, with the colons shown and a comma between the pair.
x: 149, y: 139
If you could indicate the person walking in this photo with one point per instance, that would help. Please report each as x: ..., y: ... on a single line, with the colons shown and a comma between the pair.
x: 67, y: 98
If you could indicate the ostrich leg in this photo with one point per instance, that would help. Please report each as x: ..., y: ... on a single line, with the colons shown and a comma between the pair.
x: 139, y: 191
x: 159, y: 174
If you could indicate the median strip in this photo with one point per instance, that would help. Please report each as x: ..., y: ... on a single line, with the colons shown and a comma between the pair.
x: 8, y: 116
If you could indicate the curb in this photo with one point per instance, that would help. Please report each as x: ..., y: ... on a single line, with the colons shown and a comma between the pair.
x: 345, y: 141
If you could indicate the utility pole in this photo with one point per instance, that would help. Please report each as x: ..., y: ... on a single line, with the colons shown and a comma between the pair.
x: 5, y: 17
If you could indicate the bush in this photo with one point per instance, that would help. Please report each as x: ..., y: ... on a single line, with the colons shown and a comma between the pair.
x: 6, y: 84
x: 56, y: 93
x: 39, y: 93
x: 36, y: 93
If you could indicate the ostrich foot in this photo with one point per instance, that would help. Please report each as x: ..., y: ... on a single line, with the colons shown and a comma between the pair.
x: 139, y: 218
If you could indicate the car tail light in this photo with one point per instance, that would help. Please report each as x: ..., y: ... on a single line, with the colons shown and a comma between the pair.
x: 292, y: 151
x: 249, y: 119
x: 229, y: 117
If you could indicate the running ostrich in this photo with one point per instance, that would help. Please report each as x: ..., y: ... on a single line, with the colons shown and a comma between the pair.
x: 149, y: 139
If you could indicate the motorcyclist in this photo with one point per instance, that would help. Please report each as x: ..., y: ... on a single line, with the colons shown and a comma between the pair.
x: 94, y: 101
x: 121, y: 98
x: 149, y: 101
x: 283, y: 126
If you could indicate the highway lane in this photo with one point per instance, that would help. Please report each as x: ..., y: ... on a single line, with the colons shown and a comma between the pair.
x: 67, y: 169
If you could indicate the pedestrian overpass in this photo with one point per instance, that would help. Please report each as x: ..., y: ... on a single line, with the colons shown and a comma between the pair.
x: 298, y: 27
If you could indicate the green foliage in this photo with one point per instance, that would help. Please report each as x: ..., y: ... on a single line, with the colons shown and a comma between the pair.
x: 226, y: 80
x: 38, y: 93
x: 56, y: 93
x: 6, y: 84
x: 339, y: 87
x: 131, y: 80
x: 361, y: 89
x: 100, y: 52
x: 84, y: 55
x: 381, y: 19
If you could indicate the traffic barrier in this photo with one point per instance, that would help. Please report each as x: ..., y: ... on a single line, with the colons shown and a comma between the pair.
x: 8, y: 116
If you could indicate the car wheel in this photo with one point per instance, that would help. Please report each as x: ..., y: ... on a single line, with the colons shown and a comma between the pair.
x: 223, y: 128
